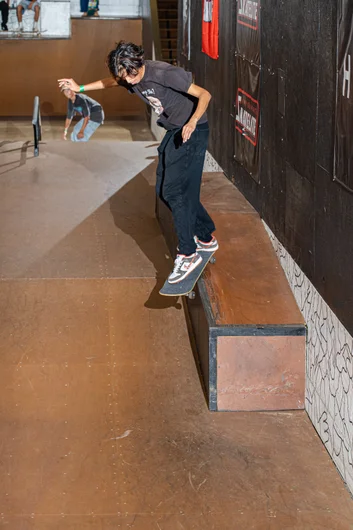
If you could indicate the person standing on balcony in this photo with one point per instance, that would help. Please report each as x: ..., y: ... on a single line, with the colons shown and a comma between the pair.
x: 4, y: 8
x: 181, y: 108
x: 25, y: 5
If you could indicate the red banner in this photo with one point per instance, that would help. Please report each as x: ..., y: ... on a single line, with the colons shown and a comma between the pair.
x: 210, y: 28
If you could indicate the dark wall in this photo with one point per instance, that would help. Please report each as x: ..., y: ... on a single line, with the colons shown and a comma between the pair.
x: 310, y: 214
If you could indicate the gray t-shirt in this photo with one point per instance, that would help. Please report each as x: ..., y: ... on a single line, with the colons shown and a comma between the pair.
x: 85, y: 106
x: 165, y: 87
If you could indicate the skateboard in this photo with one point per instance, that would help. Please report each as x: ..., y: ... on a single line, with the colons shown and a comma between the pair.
x: 186, y: 287
x: 24, y: 34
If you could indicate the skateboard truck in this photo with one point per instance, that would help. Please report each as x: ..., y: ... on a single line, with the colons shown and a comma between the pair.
x: 192, y: 295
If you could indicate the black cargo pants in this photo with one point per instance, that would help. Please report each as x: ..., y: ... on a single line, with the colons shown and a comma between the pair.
x: 179, y: 175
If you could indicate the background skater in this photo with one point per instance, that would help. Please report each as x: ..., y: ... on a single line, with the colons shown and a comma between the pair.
x: 92, y: 112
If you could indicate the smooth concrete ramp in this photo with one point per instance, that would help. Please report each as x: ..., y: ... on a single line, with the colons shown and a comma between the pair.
x: 103, y: 420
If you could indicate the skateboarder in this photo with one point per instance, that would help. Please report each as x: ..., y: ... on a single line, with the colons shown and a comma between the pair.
x: 181, y: 106
x: 91, y: 112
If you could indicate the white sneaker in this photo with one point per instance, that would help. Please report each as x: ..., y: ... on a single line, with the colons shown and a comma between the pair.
x: 183, y: 266
x: 35, y: 28
x: 212, y: 246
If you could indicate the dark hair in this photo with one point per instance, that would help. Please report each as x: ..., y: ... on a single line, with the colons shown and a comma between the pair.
x: 126, y: 56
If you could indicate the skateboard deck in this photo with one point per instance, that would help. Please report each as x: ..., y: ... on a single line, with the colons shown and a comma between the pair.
x: 27, y: 33
x: 185, y: 287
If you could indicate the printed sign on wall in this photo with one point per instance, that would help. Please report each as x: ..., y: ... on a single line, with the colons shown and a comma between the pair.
x: 247, y: 105
x: 344, y: 110
x: 210, y: 20
x: 248, y: 34
x: 248, y: 13
x: 247, y: 117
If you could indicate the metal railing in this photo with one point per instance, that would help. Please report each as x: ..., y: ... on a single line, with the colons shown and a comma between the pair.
x: 37, y: 125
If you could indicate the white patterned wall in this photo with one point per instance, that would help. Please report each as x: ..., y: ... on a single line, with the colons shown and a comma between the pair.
x: 210, y: 165
x: 112, y: 8
x: 329, y: 367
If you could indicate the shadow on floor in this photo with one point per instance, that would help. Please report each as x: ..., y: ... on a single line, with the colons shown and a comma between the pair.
x: 133, y: 211
x: 22, y: 158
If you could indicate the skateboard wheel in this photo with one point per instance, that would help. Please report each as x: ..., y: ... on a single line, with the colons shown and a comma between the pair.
x: 192, y: 295
x: 213, y: 260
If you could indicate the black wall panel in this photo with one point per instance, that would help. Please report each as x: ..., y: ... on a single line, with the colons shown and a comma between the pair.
x: 326, y: 66
x: 310, y: 214
x: 273, y: 123
x: 334, y: 246
x: 274, y: 50
x: 301, y: 83
x: 273, y: 181
x: 300, y: 220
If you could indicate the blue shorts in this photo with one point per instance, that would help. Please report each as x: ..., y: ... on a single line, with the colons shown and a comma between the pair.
x: 25, y: 4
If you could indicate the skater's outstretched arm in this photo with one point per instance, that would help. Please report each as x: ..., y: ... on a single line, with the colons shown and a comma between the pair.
x: 108, y: 82
x: 204, y: 98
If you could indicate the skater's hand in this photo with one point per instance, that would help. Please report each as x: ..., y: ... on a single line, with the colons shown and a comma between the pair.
x: 188, y: 129
x: 80, y: 135
x: 69, y: 83
x: 65, y: 136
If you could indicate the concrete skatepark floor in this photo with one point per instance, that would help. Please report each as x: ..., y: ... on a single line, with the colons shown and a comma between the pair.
x: 103, y: 420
